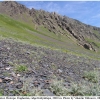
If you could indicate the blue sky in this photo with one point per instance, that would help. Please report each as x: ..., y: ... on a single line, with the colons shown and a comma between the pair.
x: 86, y: 11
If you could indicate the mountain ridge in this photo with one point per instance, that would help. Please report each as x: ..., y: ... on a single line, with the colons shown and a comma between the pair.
x: 59, y: 25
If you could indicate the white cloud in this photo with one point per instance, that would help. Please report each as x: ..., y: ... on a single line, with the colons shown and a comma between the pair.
x: 96, y: 16
x: 53, y: 7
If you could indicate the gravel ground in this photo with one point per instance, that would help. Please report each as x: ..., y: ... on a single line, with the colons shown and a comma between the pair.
x: 42, y: 66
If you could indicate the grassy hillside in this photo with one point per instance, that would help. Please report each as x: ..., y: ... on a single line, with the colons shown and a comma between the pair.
x: 10, y: 28
x: 13, y: 29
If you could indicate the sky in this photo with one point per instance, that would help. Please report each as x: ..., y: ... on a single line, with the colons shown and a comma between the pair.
x: 85, y: 11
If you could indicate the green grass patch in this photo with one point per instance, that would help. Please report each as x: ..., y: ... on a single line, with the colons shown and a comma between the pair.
x: 21, y: 68
x: 1, y: 92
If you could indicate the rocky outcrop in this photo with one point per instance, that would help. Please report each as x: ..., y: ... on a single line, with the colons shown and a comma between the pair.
x: 12, y: 8
x: 63, y: 25
x: 87, y: 46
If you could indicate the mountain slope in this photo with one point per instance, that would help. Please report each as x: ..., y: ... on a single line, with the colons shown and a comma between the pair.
x: 85, y: 35
x: 17, y: 30
x: 42, y: 52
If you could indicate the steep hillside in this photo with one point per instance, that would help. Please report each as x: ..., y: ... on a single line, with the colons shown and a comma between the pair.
x: 46, y: 54
x: 10, y: 28
x: 85, y: 35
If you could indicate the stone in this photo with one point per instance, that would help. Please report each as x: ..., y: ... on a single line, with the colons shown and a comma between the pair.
x: 18, y: 75
x: 11, y: 82
x: 36, y: 83
x: 13, y: 74
x: 8, y: 48
x: 28, y: 52
x: 1, y: 80
x: 8, y: 78
x: 47, y: 92
x: 8, y: 68
x: 19, y: 85
x: 59, y: 71
x: 87, y: 46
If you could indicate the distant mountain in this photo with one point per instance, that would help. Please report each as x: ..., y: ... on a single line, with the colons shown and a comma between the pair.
x: 84, y: 35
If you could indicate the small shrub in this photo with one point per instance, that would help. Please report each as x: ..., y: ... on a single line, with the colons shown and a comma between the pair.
x: 83, y: 88
x: 90, y: 88
x: 75, y: 90
x: 91, y: 76
x: 93, y: 90
x: 57, y: 88
x: 26, y: 90
x: 30, y: 91
x: 36, y: 92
